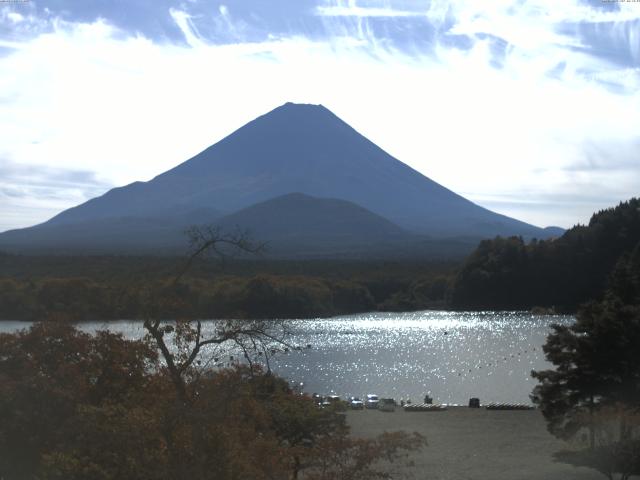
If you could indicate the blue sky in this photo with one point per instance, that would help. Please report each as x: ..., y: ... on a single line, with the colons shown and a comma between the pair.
x: 529, y: 108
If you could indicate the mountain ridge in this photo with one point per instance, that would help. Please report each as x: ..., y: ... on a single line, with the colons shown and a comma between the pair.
x: 297, y: 148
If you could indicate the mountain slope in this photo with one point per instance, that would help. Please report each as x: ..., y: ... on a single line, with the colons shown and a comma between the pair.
x: 290, y: 223
x: 294, y: 225
x: 126, y: 234
x: 299, y: 216
x: 307, y: 149
x: 294, y: 148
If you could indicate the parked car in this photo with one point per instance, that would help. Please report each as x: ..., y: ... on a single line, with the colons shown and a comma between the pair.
x: 355, y: 403
x: 387, y: 405
x: 334, y: 402
x: 372, y: 401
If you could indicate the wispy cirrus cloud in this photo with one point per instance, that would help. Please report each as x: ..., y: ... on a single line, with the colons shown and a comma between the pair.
x: 514, y: 104
x: 350, y: 8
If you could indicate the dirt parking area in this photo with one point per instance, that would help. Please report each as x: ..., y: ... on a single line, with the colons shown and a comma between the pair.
x: 476, y: 444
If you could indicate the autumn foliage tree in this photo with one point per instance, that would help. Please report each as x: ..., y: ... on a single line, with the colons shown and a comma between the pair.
x: 52, y: 378
x: 80, y: 406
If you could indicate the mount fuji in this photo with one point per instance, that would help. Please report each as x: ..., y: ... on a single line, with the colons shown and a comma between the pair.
x: 299, y: 168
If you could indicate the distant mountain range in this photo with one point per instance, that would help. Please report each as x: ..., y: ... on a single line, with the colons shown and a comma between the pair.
x: 299, y: 178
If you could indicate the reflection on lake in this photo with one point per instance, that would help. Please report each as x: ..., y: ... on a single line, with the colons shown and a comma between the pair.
x: 452, y: 355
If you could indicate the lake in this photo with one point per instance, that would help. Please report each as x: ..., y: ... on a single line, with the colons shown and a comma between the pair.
x: 450, y: 355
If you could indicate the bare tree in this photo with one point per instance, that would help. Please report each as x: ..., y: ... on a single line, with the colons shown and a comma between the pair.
x: 212, y: 240
x: 251, y: 337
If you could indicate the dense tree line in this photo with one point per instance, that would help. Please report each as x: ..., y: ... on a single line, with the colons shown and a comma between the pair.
x: 260, y: 296
x: 508, y: 273
x: 116, y: 267
x: 107, y: 288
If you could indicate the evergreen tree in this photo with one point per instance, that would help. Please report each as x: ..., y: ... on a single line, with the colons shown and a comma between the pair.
x: 596, y: 380
x: 562, y: 273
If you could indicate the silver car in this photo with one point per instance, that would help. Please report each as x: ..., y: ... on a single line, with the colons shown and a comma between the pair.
x: 372, y: 401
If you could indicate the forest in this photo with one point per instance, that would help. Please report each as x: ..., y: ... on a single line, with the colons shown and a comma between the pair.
x: 501, y: 274
x: 108, y: 288
x: 558, y: 274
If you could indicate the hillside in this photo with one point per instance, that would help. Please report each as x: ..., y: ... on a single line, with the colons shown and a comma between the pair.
x: 290, y: 226
x: 298, y: 224
x: 508, y: 273
x: 126, y: 234
x: 297, y: 214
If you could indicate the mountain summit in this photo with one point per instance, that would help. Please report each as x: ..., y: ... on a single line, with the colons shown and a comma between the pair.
x: 295, y: 148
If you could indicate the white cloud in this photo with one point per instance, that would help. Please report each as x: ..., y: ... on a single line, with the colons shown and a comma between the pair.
x: 89, y: 97
x: 186, y: 26
x: 15, y: 17
x: 32, y: 193
x: 536, y: 12
x: 350, y: 8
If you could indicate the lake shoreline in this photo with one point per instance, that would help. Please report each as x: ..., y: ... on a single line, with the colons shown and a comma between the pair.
x: 449, y: 355
x: 533, y: 311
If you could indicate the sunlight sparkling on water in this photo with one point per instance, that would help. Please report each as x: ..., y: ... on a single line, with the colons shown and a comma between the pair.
x: 451, y: 355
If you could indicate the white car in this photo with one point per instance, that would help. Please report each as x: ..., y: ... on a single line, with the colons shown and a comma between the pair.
x: 372, y: 401
x: 356, y: 403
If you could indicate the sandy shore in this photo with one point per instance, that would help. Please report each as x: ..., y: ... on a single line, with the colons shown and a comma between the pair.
x: 476, y: 444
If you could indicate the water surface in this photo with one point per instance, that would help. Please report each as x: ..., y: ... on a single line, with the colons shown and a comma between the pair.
x: 450, y: 355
